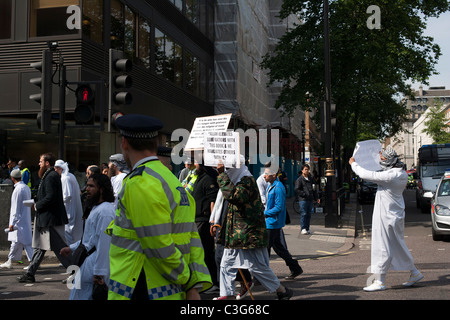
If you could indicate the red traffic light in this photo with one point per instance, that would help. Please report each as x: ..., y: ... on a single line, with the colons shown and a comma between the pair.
x: 84, y: 94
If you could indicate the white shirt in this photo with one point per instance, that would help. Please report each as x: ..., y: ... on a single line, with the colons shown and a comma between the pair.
x: 20, y: 215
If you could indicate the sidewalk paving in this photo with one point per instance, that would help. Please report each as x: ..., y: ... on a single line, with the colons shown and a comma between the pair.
x: 323, y: 241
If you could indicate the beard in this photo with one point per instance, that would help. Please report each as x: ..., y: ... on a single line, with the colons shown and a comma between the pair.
x: 89, y: 203
x: 111, y: 172
x: 42, y: 171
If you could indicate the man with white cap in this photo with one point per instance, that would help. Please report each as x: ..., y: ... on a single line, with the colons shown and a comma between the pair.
x: 19, y: 221
x: 72, y: 202
x: 389, y: 250
x: 118, y: 170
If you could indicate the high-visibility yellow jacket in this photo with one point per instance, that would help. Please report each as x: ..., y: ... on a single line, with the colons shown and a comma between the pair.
x: 28, y: 183
x: 188, y: 183
x: 155, y: 231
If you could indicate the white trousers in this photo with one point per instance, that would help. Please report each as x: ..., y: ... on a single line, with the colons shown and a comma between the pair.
x: 15, y: 253
x: 255, y: 260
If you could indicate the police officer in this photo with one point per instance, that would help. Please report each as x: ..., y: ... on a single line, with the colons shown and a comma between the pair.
x: 156, y: 252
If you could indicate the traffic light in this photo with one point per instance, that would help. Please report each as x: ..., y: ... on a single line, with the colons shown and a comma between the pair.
x: 85, y: 110
x: 119, y: 79
x: 333, y: 115
x: 44, y: 98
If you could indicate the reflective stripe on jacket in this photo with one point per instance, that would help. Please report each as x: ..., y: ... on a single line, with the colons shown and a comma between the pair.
x: 155, y: 230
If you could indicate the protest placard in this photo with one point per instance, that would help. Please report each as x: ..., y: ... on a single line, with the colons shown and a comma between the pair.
x: 218, y: 123
x: 222, y: 147
x: 367, y: 154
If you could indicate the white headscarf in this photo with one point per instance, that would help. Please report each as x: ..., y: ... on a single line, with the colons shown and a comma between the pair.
x: 235, y: 176
x: 63, y: 165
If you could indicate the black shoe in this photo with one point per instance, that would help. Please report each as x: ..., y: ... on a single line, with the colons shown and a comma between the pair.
x: 294, y: 274
x: 285, y: 296
x: 26, y: 278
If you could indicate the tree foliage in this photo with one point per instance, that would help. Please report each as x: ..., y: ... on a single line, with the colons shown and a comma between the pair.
x: 369, y: 67
x: 435, y: 124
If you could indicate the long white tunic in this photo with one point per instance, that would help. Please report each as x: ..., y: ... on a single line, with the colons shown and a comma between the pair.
x: 74, y: 209
x: 20, y: 215
x: 98, y: 262
x: 389, y: 250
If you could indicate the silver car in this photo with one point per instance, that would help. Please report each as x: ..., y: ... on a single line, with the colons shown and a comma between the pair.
x: 440, y: 209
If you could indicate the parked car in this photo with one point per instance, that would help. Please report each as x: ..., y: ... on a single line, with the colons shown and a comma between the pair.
x: 366, y: 191
x: 440, y: 209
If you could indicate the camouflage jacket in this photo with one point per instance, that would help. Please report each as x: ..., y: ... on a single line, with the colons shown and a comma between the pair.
x: 244, y: 225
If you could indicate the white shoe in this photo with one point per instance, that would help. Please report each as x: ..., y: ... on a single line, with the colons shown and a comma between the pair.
x: 304, y: 231
x: 375, y: 286
x: 6, y: 265
x: 413, y: 279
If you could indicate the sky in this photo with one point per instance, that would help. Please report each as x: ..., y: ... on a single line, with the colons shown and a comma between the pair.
x: 439, y: 29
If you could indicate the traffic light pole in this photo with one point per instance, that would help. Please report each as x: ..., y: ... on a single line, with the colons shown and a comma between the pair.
x: 330, y: 214
x: 62, y: 105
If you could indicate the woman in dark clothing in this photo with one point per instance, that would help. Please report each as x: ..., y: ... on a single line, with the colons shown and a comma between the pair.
x: 205, y: 193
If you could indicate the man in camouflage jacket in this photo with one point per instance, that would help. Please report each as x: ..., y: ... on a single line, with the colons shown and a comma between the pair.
x: 244, y: 234
x: 245, y: 226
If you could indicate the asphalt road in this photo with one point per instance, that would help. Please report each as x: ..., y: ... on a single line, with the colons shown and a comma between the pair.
x: 337, y: 276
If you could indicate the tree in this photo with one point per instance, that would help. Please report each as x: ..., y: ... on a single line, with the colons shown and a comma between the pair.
x: 436, y: 123
x: 369, y: 67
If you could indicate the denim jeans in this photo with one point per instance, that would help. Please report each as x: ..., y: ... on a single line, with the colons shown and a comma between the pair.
x: 306, y: 207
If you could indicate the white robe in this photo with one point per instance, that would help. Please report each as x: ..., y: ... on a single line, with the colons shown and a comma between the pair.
x: 20, y: 215
x: 74, y: 209
x: 389, y: 250
x: 98, y: 262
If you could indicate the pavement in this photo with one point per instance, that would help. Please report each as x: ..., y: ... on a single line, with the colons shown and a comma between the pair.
x: 324, y: 241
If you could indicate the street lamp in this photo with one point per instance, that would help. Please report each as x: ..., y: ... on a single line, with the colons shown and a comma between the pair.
x: 330, y: 216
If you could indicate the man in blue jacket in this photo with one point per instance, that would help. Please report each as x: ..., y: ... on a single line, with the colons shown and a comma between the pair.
x: 275, y: 214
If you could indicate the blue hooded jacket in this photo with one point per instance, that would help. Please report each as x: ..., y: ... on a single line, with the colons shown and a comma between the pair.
x: 275, y: 211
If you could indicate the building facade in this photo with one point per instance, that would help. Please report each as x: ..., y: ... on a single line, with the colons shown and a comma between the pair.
x: 191, y: 58
x: 407, y: 143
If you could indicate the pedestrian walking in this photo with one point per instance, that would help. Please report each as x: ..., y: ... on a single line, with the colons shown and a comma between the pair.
x: 118, y: 169
x: 26, y: 174
x: 204, y: 193
x: 72, y: 203
x: 50, y: 218
x: 306, y: 195
x: 19, y: 221
x: 389, y: 250
x: 156, y: 251
x: 262, y: 187
x: 275, y: 214
x: 95, y: 269
x: 244, y: 234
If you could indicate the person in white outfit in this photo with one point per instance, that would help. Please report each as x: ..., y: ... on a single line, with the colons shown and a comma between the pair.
x: 389, y: 250
x: 95, y: 269
x: 118, y: 170
x: 19, y: 221
x: 72, y: 202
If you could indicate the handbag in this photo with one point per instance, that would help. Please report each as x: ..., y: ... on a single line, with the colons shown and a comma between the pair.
x: 80, y: 254
x: 100, y: 292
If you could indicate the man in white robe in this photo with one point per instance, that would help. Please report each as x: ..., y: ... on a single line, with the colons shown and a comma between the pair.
x: 389, y: 250
x: 72, y: 202
x: 19, y: 221
x: 95, y: 269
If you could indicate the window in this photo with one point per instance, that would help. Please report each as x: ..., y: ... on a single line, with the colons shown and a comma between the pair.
x: 192, y: 74
x: 123, y: 28
x: 5, y: 19
x: 144, y: 42
x: 92, y: 23
x: 49, y: 17
x: 168, y: 58
x: 192, y: 11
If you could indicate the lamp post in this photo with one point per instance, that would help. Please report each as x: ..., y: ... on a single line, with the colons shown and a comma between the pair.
x: 330, y: 214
